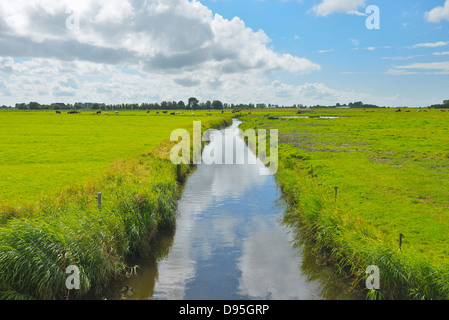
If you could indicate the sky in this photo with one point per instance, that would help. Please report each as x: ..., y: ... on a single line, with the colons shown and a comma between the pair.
x: 285, y: 52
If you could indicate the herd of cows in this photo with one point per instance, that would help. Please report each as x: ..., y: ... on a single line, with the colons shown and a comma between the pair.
x: 157, y: 112
x: 209, y: 114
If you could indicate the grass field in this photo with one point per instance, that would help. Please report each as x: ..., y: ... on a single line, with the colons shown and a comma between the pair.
x: 42, y: 152
x: 53, y: 165
x: 392, y: 173
x: 391, y: 170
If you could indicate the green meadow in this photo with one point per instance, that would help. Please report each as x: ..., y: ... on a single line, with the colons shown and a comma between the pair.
x: 392, y: 174
x: 391, y: 170
x: 42, y: 152
x: 53, y: 166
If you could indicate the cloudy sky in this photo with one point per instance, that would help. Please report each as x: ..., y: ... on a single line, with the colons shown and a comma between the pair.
x: 237, y: 51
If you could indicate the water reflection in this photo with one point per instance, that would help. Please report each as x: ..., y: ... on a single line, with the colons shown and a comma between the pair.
x: 230, y: 242
x: 310, y: 117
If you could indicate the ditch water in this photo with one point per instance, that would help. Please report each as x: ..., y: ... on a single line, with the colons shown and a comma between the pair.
x: 309, y: 117
x: 230, y: 242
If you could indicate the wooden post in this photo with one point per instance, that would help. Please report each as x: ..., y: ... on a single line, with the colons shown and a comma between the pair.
x: 178, y: 172
x: 99, y: 200
x: 400, y: 240
x: 336, y: 193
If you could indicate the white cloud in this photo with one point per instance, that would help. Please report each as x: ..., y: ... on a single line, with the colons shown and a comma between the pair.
x: 424, y: 67
x: 438, y: 14
x: 401, y: 58
x: 356, y: 13
x: 194, y: 37
x: 441, y: 53
x: 355, y: 42
x: 430, y: 44
x: 328, y: 7
x: 130, y: 49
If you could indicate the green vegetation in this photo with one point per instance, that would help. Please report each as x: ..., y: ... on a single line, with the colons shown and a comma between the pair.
x: 391, y: 170
x: 42, y: 152
x: 49, y: 218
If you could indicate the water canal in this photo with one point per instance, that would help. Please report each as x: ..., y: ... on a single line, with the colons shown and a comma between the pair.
x: 230, y: 242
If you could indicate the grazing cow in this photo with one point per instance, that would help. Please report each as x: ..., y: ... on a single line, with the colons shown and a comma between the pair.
x: 93, y: 113
x: 149, y: 111
x: 106, y: 113
x: 98, y: 112
x: 208, y: 114
x: 399, y: 110
x: 192, y: 114
x: 58, y: 112
x: 116, y: 112
x: 73, y: 112
x: 172, y: 114
x: 443, y: 110
x: 178, y: 112
x: 157, y: 112
x: 164, y: 111
x: 249, y: 112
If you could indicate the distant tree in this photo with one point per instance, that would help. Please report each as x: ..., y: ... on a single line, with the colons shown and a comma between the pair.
x: 217, y: 105
x: 164, y: 105
x: 34, y: 106
x: 181, y: 105
x: 193, y: 103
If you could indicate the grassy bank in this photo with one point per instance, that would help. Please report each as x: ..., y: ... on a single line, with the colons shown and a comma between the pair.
x: 391, y: 172
x: 39, y: 238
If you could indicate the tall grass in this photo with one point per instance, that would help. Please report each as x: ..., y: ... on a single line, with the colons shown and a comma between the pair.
x: 354, y: 245
x: 360, y: 228
x: 35, y: 250
x: 38, y: 242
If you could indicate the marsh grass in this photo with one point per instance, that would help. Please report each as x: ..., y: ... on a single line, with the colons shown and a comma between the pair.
x: 39, y: 240
x: 391, y: 171
x: 36, y: 249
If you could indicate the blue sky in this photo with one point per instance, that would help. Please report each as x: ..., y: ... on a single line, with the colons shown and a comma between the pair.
x: 351, y: 56
x: 251, y: 51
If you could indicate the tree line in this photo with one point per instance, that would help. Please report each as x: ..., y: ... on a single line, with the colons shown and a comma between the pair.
x: 444, y: 105
x: 191, y: 104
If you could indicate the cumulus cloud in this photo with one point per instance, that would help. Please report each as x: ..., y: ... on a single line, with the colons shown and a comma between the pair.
x: 157, y: 35
x: 328, y: 7
x: 159, y: 47
x: 438, y: 14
